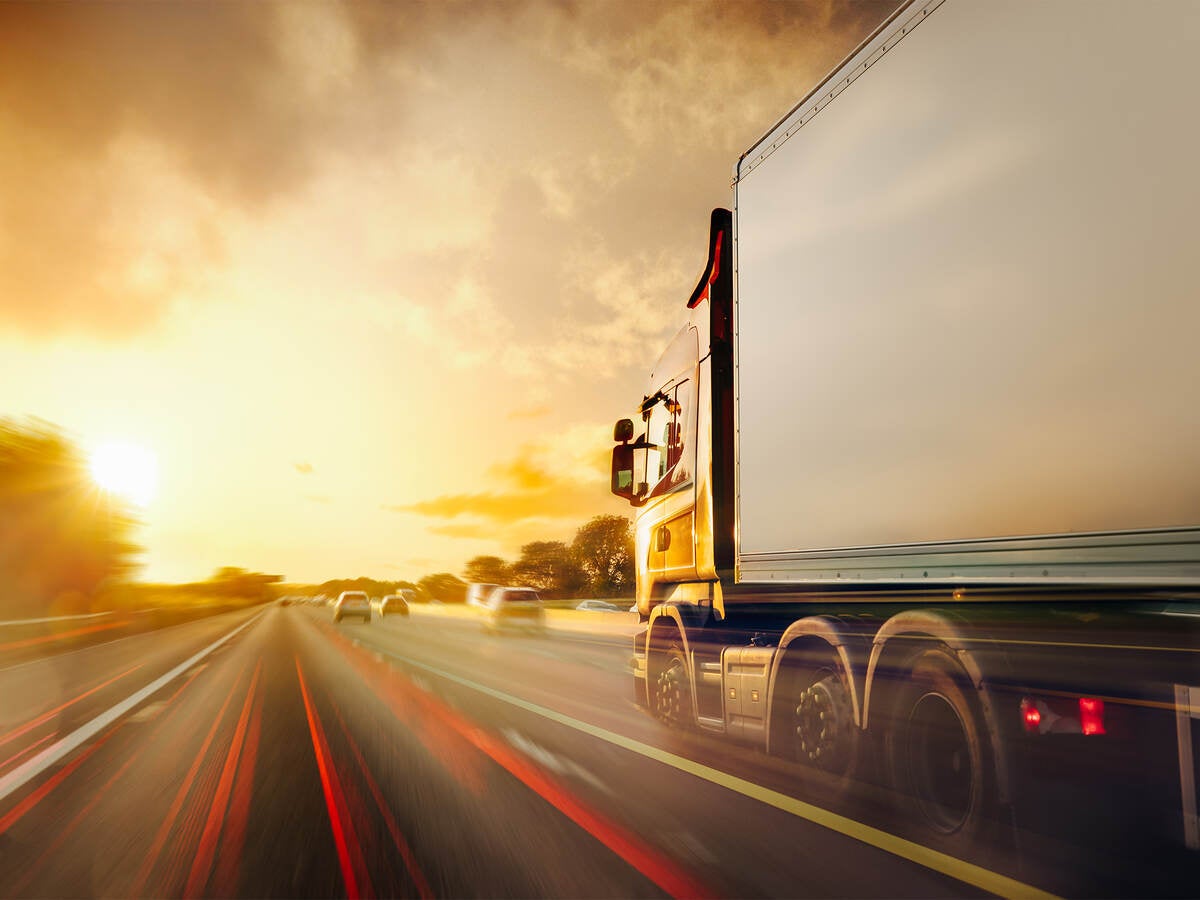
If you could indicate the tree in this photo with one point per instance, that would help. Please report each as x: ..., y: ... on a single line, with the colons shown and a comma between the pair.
x: 369, y: 586
x: 548, y: 567
x: 486, y: 570
x: 604, y: 550
x: 233, y: 583
x: 61, y: 537
x: 443, y: 587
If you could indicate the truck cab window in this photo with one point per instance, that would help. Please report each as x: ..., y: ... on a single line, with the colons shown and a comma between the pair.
x: 670, y: 432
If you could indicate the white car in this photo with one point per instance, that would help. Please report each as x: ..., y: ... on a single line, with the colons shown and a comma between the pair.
x: 598, y: 606
x: 514, y: 608
x: 352, y: 603
x: 479, y: 592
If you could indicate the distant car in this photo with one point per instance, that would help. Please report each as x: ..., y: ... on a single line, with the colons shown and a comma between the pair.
x: 395, y: 604
x: 352, y: 603
x: 514, y: 608
x: 479, y: 592
x: 598, y: 606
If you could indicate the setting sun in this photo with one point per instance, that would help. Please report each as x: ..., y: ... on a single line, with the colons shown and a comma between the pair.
x: 128, y: 470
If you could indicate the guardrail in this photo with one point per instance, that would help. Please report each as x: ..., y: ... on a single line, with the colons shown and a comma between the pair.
x: 14, y: 623
x: 596, y: 622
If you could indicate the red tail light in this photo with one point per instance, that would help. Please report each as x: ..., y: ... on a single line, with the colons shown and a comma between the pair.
x: 1091, y: 715
x: 1031, y: 715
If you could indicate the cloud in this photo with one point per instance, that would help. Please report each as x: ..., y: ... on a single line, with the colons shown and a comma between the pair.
x: 531, y: 412
x: 480, y: 530
x: 563, y: 478
x: 140, y: 135
x: 317, y: 498
x: 125, y: 127
x: 304, y: 468
x: 103, y: 245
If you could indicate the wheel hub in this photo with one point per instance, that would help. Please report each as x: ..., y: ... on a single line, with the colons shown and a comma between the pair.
x: 669, y: 695
x: 819, y: 722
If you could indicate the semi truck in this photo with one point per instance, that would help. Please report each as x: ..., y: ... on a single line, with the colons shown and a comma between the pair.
x: 917, y: 483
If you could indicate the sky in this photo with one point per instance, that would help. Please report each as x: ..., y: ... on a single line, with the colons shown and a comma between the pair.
x: 371, y: 281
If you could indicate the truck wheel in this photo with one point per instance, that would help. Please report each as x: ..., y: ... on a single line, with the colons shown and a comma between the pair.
x: 937, y: 750
x: 820, y: 729
x: 672, y: 693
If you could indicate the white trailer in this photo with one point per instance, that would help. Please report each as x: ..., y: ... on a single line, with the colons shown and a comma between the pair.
x: 917, y: 483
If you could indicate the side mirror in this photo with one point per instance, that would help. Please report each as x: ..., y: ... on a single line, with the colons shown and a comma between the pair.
x: 623, y: 431
x: 622, y: 472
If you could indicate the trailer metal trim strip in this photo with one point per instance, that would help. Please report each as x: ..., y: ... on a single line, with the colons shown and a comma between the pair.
x: 869, y: 52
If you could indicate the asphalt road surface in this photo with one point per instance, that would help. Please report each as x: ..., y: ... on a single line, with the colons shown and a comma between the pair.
x: 272, y: 753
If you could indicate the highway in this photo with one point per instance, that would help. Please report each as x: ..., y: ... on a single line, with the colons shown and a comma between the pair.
x: 271, y: 753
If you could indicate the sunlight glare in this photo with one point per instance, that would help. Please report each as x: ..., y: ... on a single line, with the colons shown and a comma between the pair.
x: 124, y: 469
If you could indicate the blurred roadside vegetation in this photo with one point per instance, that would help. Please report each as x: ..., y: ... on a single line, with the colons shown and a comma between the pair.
x: 228, y: 587
x: 67, y: 548
x: 63, y: 541
x: 598, y: 563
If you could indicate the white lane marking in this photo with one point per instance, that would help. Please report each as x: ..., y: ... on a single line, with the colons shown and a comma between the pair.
x: 959, y: 869
x: 29, y: 770
x: 559, y: 764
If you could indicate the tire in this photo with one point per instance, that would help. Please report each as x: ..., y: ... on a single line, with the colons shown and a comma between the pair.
x: 672, y: 690
x: 815, y: 722
x: 938, y: 752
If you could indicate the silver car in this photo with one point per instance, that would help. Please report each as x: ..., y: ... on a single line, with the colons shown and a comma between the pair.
x: 352, y: 603
x: 598, y: 606
x: 394, y: 604
x: 514, y: 608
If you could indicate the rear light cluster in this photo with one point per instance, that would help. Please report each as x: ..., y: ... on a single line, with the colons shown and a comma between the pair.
x: 1063, y: 715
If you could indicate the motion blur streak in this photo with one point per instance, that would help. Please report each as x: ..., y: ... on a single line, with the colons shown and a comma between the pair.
x: 27, y: 750
x: 963, y: 871
x: 68, y: 830
x: 225, y: 880
x: 402, y: 847
x: 168, y: 823
x: 183, y: 687
x: 61, y: 636
x: 15, y: 814
x: 44, y: 717
x: 21, y: 886
x: 662, y: 871
x: 334, y: 799
x: 202, y: 863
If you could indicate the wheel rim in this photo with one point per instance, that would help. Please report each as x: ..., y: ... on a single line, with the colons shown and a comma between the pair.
x: 940, y: 763
x: 669, y: 698
x: 819, y: 721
